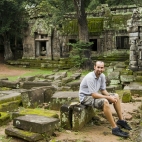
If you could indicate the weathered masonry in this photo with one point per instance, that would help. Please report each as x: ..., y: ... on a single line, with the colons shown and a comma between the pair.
x: 108, y: 30
x: 134, y: 27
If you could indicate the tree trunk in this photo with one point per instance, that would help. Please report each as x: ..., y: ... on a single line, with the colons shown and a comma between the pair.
x: 82, y: 20
x: 83, y: 30
x: 8, y: 55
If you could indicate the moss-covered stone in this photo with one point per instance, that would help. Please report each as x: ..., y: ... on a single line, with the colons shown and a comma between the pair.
x: 10, y: 106
x: 4, y: 118
x: 126, y: 72
x: 25, y: 135
x: 126, y: 97
x: 38, y: 111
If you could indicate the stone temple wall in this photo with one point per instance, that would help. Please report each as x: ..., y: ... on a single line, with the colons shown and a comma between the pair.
x: 134, y: 28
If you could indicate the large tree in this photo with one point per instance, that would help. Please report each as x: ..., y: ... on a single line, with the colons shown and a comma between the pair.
x: 11, y: 24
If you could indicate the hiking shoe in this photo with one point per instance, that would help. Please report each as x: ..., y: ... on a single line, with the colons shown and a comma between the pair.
x: 118, y: 132
x: 123, y: 124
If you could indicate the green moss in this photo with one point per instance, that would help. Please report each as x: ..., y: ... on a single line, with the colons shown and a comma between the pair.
x: 94, y: 25
x: 10, y: 99
x: 10, y: 106
x: 4, y: 118
x: 38, y: 111
x: 126, y: 97
x: 126, y: 72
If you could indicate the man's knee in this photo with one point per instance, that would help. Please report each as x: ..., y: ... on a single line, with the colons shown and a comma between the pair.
x: 116, y: 95
x: 106, y: 103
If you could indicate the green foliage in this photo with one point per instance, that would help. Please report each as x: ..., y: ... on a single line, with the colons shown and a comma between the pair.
x: 77, y: 53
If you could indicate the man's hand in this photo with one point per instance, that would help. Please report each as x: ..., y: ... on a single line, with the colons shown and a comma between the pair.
x: 112, y: 99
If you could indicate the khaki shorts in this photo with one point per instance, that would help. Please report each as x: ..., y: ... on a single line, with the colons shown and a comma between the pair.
x: 96, y: 103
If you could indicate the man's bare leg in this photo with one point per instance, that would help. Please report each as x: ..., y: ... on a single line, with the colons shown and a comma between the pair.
x: 108, y: 114
x: 117, y: 107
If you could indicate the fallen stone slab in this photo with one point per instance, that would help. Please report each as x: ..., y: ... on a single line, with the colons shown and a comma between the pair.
x: 4, y: 118
x: 30, y: 84
x: 62, y: 97
x: 26, y: 135
x: 9, y: 84
x: 36, y: 123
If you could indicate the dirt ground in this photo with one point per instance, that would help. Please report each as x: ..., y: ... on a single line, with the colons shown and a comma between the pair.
x: 90, y: 133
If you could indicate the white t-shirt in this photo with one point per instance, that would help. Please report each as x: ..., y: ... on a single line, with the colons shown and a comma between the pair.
x: 91, y: 84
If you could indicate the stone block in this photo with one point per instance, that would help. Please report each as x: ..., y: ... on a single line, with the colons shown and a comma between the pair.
x: 81, y: 115
x: 74, y: 85
x: 118, y: 69
x: 116, y: 86
x: 48, y: 93
x: 9, y: 96
x: 138, y: 78
x: 10, y: 106
x: 109, y: 70
x: 9, y: 84
x: 25, y: 135
x: 32, y: 98
x: 110, y: 89
x: 134, y: 89
x: 133, y: 57
x: 75, y: 116
x: 113, y: 75
x: 66, y: 116
x: 126, y: 97
x: 126, y: 72
x: 120, y: 65
x: 30, y: 84
x: 133, y: 63
x: 36, y: 123
x: 4, y: 118
x: 114, y: 82
x: 76, y: 75
x: 37, y: 111
x: 66, y: 80
x: 62, y: 97
x: 126, y: 78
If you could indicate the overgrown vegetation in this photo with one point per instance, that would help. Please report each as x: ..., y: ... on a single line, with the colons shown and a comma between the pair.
x: 78, y: 52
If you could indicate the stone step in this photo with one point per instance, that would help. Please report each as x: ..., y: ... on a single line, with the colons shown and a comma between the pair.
x: 36, y: 123
x: 26, y: 135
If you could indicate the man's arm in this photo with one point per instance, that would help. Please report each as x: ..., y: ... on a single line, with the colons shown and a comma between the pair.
x: 105, y: 96
x: 105, y: 92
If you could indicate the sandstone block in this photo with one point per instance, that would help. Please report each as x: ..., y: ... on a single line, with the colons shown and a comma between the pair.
x: 36, y: 123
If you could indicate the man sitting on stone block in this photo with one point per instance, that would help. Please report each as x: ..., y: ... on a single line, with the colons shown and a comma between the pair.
x: 89, y: 95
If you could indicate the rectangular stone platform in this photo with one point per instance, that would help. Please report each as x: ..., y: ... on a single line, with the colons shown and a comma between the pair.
x: 36, y: 123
